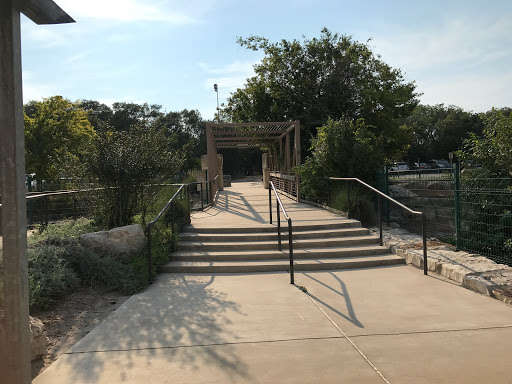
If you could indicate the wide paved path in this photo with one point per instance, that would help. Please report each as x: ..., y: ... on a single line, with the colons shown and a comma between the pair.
x: 378, y: 325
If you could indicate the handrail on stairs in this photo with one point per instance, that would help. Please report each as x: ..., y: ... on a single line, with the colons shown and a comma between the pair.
x: 379, y: 195
x: 280, y: 207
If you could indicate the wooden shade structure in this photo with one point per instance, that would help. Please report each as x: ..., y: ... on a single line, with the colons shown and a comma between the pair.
x: 14, y: 316
x: 269, y: 135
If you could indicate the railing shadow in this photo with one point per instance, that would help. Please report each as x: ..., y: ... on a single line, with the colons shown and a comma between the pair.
x: 343, y: 292
x: 174, y: 314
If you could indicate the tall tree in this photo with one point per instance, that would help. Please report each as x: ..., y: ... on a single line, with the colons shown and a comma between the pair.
x: 331, y: 76
x: 57, y: 135
x: 440, y: 129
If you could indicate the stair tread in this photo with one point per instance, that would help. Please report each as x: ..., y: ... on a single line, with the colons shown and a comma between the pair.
x: 285, y: 251
x: 284, y: 239
x: 188, y: 236
x: 267, y: 227
x: 285, y: 261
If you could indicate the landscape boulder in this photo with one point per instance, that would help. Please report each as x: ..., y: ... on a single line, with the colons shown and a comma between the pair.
x: 38, y: 340
x: 122, y: 242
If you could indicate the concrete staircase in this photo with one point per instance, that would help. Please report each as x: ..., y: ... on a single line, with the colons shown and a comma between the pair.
x: 341, y: 245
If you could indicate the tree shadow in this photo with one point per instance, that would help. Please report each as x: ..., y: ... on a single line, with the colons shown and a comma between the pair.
x: 171, y: 316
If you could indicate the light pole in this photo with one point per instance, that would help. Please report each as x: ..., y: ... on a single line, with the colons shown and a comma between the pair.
x: 216, y: 89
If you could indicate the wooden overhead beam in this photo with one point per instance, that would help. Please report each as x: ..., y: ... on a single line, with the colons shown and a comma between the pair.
x: 43, y: 12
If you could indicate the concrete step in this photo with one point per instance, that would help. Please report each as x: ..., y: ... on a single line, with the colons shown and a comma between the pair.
x: 275, y: 254
x: 261, y: 245
x: 281, y: 265
x: 259, y: 236
x: 265, y: 228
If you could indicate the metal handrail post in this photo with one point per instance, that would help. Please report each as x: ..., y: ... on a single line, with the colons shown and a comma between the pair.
x: 328, y: 192
x: 379, y: 208
x: 172, y: 216
x: 270, y: 201
x: 45, y: 210
x: 424, y: 230
x: 149, y: 252
x: 348, y: 199
x: 278, y: 226
x: 202, y: 204
x: 290, y: 245
x: 74, y: 206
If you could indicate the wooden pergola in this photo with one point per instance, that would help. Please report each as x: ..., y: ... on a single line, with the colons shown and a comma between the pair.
x: 274, y: 137
x: 14, y: 315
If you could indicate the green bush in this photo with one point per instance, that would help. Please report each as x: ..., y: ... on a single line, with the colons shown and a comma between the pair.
x: 50, y: 276
x: 362, y: 207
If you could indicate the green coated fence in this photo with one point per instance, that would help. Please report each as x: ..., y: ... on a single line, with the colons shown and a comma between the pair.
x: 473, y: 214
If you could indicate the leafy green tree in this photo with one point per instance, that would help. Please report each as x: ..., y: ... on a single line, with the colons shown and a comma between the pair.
x: 125, y: 163
x: 342, y: 148
x: 186, y: 132
x: 440, y: 129
x: 57, y: 136
x: 99, y: 115
x: 128, y: 115
x: 331, y: 76
x: 494, y: 148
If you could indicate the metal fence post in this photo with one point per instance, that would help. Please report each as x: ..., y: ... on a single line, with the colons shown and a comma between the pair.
x: 456, y: 200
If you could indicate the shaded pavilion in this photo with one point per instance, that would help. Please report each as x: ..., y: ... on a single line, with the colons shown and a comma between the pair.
x: 281, y: 140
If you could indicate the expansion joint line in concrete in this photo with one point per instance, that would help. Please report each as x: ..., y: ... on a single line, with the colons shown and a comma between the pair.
x: 349, y: 340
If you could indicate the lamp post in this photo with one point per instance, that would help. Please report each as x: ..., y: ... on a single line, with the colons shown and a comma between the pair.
x: 216, y: 89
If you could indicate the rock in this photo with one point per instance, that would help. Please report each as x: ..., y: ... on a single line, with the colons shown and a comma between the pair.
x: 38, y: 340
x: 122, y: 242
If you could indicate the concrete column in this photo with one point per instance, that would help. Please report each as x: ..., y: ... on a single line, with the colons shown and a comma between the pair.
x: 297, y: 156
x: 14, y: 316
x: 287, y: 154
x: 212, y: 157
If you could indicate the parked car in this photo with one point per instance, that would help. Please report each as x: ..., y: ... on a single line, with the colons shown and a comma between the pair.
x: 439, y: 164
x: 399, y: 166
x: 421, y: 166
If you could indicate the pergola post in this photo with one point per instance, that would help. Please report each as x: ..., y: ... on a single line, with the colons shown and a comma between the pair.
x: 14, y: 315
x: 296, y: 149
x: 212, y: 159
x: 287, y: 154
x: 14, y: 321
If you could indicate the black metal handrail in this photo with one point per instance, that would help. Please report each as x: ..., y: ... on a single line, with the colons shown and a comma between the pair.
x: 379, y: 206
x: 280, y: 207
x: 151, y: 223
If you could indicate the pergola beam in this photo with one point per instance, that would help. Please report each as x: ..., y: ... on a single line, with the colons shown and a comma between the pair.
x: 43, y: 12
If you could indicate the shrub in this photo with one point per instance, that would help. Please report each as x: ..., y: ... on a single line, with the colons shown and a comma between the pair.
x: 50, y: 276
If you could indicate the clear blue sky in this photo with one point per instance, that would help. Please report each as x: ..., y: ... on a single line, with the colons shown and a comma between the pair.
x: 171, y: 52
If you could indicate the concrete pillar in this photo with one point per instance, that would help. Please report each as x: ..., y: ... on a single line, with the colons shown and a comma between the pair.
x: 14, y: 316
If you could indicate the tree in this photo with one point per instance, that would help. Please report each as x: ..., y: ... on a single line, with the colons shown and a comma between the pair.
x: 342, y: 148
x: 99, y: 115
x: 494, y: 148
x: 127, y: 115
x: 327, y: 77
x: 125, y: 163
x: 57, y: 136
x: 440, y: 129
x: 187, y: 133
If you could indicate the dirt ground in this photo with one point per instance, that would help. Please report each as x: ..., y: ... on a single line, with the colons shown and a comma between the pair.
x: 72, y: 319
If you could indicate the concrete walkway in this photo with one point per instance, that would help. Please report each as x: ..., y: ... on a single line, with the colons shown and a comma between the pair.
x: 390, y: 324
